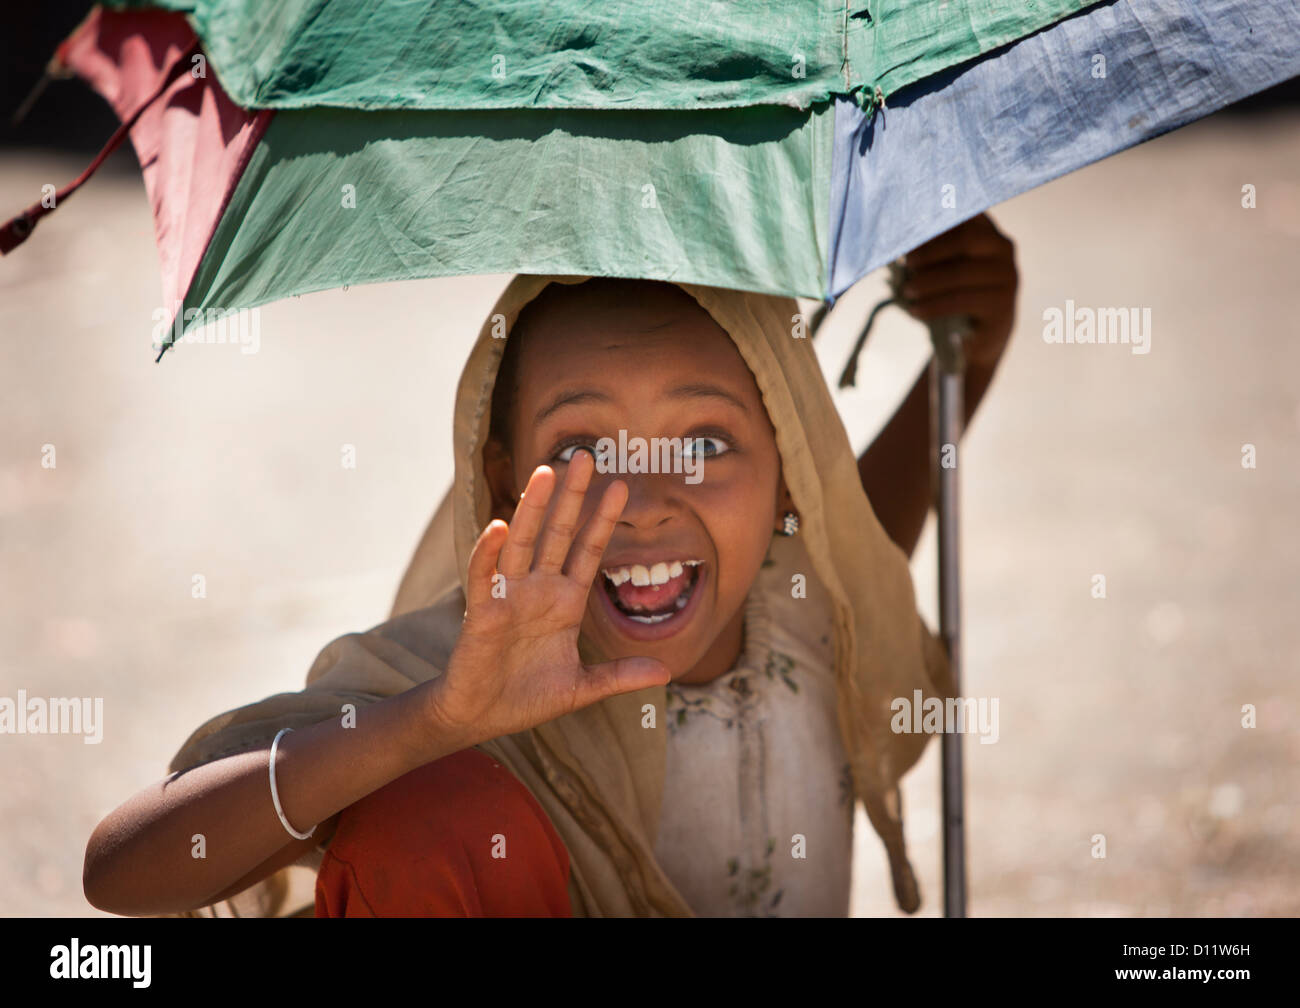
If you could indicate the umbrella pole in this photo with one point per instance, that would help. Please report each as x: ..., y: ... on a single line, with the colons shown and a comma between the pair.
x: 947, y: 374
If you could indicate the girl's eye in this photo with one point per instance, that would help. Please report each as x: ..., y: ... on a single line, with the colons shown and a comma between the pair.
x: 700, y: 446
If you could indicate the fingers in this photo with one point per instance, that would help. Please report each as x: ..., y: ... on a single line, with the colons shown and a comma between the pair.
x: 584, y: 561
x: 969, y: 271
x: 482, y: 563
x: 984, y: 303
x: 624, y: 675
x: 532, y: 534
x: 517, y: 555
x: 976, y: 238
x: 558, y: 534
x: 962, y: 274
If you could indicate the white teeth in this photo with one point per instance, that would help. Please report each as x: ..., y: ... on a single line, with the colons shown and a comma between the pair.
x: 641, y: 575
x: 653, y: 619
x: 678, y: 606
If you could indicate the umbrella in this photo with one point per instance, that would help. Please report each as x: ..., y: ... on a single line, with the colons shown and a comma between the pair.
x: 787, y: 148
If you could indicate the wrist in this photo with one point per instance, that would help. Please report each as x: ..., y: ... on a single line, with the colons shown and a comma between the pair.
x: 437, y: 735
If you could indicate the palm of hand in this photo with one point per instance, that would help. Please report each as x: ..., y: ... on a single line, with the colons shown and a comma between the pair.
x: 516, y: 663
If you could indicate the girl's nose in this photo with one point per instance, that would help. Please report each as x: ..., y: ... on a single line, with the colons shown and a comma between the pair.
x: 652, y: 498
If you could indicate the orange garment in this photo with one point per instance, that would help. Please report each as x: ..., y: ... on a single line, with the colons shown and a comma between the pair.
x: 430, y: 844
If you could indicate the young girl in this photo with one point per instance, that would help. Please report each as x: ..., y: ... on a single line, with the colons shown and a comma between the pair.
x: 632, y: 694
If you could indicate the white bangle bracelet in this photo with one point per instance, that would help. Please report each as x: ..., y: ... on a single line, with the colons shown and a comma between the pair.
x: 275, y: 795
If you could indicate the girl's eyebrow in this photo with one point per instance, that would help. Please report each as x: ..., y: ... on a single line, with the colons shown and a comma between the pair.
x: 695, y: 390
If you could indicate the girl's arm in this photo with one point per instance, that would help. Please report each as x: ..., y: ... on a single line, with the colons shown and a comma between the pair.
x: 515, y: 665
x: 970, y: 270
x: 142, y: 859
x: 895, y: 468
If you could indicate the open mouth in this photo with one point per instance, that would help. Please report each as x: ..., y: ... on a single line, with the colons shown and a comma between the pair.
x: 652, y: 594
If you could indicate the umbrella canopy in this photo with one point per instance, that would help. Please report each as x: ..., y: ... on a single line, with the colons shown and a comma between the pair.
x: 637, y: 54
x: 784, y: 148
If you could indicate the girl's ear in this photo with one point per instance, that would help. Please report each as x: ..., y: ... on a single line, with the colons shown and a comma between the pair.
x: 500, y: 473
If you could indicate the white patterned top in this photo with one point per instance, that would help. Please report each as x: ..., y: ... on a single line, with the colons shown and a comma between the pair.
x: 757, y: 813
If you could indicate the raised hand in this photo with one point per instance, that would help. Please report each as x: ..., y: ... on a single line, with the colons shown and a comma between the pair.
x: 970, y: 270
x: 516, y: 662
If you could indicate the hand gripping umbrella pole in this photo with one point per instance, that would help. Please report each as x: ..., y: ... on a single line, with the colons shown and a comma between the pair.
x: 947, y: 415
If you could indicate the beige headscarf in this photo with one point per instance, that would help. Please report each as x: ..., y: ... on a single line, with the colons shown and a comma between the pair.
x: 598, y: 772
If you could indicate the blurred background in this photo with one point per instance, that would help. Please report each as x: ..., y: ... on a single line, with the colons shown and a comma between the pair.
x: 1119, y: 716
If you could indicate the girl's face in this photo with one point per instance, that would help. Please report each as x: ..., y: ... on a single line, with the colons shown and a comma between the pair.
x: 648, y: 361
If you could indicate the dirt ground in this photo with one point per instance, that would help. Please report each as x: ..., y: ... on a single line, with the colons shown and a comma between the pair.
x: 1120, y: 716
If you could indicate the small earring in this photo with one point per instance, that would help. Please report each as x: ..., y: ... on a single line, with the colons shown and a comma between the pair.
x: 790, y: 524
